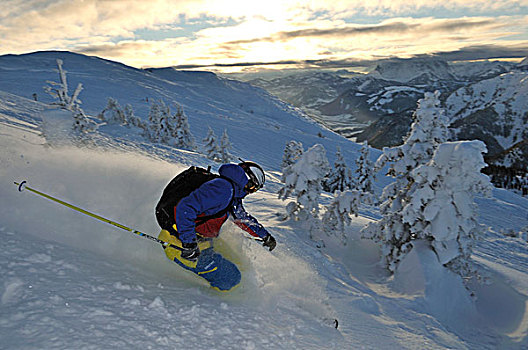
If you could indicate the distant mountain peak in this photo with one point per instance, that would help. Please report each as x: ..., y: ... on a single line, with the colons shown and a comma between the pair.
x: 404, y: 70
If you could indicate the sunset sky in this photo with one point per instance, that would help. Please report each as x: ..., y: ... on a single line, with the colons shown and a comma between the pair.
x: 229, y: 35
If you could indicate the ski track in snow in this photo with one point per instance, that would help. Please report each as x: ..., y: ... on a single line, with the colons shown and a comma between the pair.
x: 64, y: 298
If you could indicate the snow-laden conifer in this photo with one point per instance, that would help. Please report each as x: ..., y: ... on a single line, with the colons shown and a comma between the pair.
x: 211, y: 146
x: 167, y: 128
x: 428, y: 130
x: 349, y: 193
x: 364, y: 173
x: 154, y: 131
x: 224, y: 148
x: 113, y: 114
x: 440, y: 207
x: 339, y: 212
x: 303, y: 181
x: 292, y: 152
x: 340, y: 177
x: 131, y: 117
x: 178, y: 124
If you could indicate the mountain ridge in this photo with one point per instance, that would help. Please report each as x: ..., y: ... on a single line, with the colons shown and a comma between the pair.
x: 377, y: 107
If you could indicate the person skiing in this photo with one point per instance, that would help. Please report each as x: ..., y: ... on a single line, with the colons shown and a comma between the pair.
x: 190, y: 224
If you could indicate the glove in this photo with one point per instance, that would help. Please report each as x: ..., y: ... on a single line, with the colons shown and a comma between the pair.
x: 190, y: 251
x: 269, y: 242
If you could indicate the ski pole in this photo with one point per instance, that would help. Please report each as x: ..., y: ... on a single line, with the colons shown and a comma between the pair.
x: 22, y: 186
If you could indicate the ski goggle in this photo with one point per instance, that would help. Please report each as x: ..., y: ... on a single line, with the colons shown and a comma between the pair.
x: 256, y: 176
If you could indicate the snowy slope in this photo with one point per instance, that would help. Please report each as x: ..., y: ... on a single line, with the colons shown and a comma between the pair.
x: 206, y: 98
x: 493, y: 110
x: 404, y: 70
x: 69, y: 282
x: 505, y: 95
x: 475, y: 71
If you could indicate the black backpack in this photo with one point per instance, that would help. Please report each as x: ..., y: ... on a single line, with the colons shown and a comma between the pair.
x: 180, y: 187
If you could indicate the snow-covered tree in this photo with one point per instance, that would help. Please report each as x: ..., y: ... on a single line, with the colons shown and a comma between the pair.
x: 113, y: 114
x: 339, y: 213
x: 224, y: 148
x: 428, y: 130
x: 440, y: 207
x: 82, y: 125
x: 60, y: 91
x: 132, y: 119
x: 340, y: 177
x: 364, y: 173
x: 292, y: 152
x: 167, y: 128
x: 154, y: 131
x: 211, y: 147
x: 178, y: 125
x: 303, y: 180
x: 159, y: 128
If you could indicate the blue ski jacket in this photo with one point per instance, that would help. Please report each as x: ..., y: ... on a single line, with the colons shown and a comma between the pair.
x: 213, y: 197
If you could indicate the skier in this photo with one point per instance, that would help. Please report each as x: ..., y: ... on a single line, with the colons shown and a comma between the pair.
x: 192, y: 223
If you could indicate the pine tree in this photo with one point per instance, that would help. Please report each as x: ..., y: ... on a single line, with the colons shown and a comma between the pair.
x: 292, y: 152
x: 364, y: 171
x: 166, y: 125
x: 440, y: 207
x: 428, y: 130
x: 211, y: 147
x: 303, y: 180
x: 167, y: 128
x: 225, y: 146
x: 340, y: 177
x: 113, y: 114
x: 180, y: 130
x: 131, y: 117
x: 339, y: 213
x: 154, y: 129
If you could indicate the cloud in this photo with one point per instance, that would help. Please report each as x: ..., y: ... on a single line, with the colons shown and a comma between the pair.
x: 118, y: 50
x: 480, y: 52
x: 241, y: 64
x: 469, y: 53
x: 50, y: 23
x: 243, y: 33
x: 424, y: 26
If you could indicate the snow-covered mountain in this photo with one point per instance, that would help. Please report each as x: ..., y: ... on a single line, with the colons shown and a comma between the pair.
x: 480, y: 70
x: 205, y: 97
x: 495, y: 111
x: 68, y: 281
x: 406, y: 70
x: 324, y: 97
x: 378, y: 106
x: 366, y: 103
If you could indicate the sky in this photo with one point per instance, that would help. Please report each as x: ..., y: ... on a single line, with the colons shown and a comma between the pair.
x: 246, y: 35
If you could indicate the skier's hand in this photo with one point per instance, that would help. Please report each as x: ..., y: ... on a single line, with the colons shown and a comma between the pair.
x: 190, y: 251
x: 269, y: 242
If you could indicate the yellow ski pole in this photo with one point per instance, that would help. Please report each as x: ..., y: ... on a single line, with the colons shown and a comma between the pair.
x: 23, y: 185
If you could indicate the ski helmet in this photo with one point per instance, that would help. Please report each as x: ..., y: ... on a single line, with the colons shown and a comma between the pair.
x: 255, y: 174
